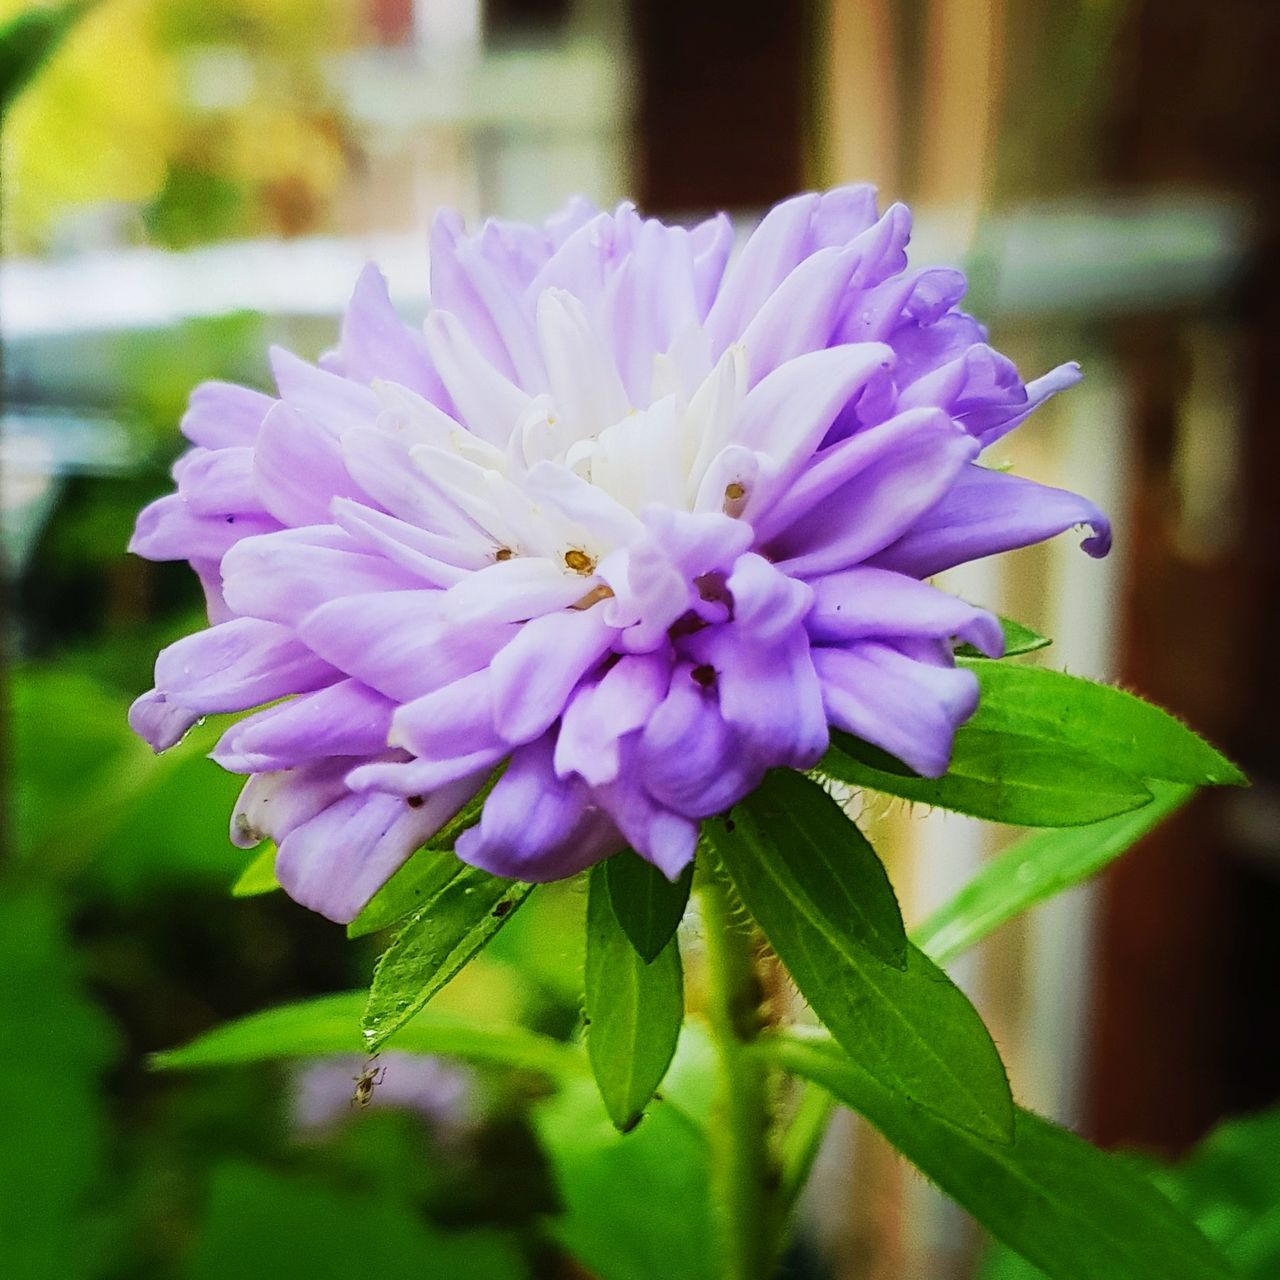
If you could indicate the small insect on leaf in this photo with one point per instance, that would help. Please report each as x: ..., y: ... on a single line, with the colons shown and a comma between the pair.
x: 370, y: 1077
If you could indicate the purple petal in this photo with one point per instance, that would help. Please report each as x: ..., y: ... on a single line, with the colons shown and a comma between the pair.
x: 286, y: 575
x: 979, y: 381
x: 432, y: 557
x: 862, y: 603
x: 922, y: 347
x: 500, y: 296
x: 768, y: 693
x: 218, y: 482
x: 882, y: 247
x: 536, y: 826
x: 800, y: 315
x: 236, y: 665
x: 168, y: 529
x: 662, y: 837
x: 986, y: 512
x: 298, y: 468
x: 453, y: 290
x: 455, y: 720
x: 338, y: 860
x: 346, y: 719
x: 395, y: 642
x: 896, y: 477
x: 990, y: 425
x: 535, y: 674
x: 842, y: 214
x: 791, y: 410
x: 602, y: 712
x: 875, y: 313
x: 837, y: 464
x: 767, y: 605
x: 159, y: 722
x: 689, y: 758
x: 220, y: 415
x: 377, y: 344
x: 712, y: 243
x: 513, y: 590
x: 697, y: 543
x: 575, y: 213
x: 517, y: 250
x: 381, y: 465
x: 331, y: 402
x: 272, y: 804
x: 580, y: 263
x: 910, y: 709
x: 768, y: 257
x: 210, y: 577
x: 421, y: 777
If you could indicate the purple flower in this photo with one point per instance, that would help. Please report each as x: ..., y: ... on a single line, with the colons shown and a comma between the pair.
x: 638, y: 523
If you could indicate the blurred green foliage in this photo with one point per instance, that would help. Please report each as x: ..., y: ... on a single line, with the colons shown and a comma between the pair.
x: 27, y: 40
x: 53, y: 1132
x: 262, y: 1225
x: 1230, y: 1187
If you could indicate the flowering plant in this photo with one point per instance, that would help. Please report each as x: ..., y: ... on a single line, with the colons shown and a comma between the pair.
x: 607, y: 569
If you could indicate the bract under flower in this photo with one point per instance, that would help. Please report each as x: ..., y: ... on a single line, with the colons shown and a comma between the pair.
x: 636, y: 522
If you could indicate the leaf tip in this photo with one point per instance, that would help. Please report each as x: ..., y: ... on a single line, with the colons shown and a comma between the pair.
x: 1232, y: 775
x: 629, y: 1123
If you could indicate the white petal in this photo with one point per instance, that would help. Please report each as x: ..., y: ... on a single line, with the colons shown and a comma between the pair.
x: 488, y: 403
x: 585, y: 385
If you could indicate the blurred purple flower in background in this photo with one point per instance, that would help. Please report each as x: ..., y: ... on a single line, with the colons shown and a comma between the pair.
x: 441, y: 1092
x: 641, y: 523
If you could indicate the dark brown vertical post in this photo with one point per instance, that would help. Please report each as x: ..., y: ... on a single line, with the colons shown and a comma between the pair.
x: 722, y: 102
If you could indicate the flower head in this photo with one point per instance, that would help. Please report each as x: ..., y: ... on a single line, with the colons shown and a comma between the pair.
x: 637, y: 523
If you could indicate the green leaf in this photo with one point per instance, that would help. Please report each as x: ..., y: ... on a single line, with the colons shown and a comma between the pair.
x: 1069, y: 1208
x: 425, y: 874
x: 258, y: 877
x: 634, y: 1010
x: 912, y: 1029
x: 866, y: 753
x: 1018, y: 639
x: 608, y: 1224
x: 1099, y: 720
x: 1035, y: 868
x: 330, y: 1025
x: 436, y: 942
x: 28, y: 40
x: 793, y: 838
x: 648, y: 906
x: 408, y: 891
x: 1004, y: 777
x: 1229, y: 1186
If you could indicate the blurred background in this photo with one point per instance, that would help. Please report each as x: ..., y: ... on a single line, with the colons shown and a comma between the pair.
x: 185, y: 182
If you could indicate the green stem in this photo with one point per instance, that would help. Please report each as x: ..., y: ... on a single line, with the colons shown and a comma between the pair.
x: 802, y: 1143
x: 744, y: 1175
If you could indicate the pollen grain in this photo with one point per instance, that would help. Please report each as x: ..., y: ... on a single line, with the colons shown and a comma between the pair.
x: 579, y: 562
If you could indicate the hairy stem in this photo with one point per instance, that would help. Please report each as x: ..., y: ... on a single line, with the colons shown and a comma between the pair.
x: 744, y: 1174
